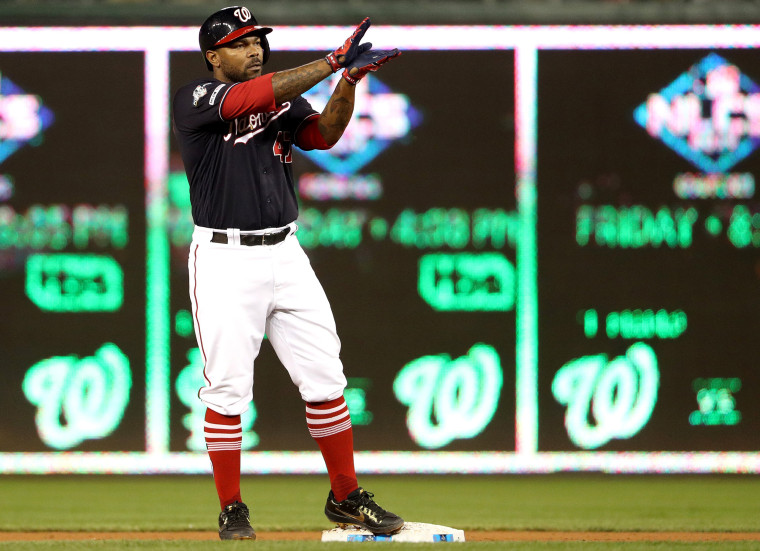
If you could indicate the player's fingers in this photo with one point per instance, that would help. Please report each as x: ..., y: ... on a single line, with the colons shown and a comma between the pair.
x: 362, y: 27
x: 387, y: 56
x: 358, y: 32
x: 392, y: 55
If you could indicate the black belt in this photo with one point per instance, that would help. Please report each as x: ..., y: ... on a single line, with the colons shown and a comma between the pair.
x: 252, y: 239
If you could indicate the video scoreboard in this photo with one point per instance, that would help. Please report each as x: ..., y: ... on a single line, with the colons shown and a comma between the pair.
x: 539, y: 244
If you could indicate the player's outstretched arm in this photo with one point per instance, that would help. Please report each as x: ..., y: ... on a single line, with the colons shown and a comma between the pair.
x: 337, y: 113
x: 294, y: 82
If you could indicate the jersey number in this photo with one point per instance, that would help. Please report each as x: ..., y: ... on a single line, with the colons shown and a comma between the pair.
x: 283, y: 147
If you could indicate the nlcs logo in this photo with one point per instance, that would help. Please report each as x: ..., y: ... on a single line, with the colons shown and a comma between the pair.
x: 730, y: 100
x: 23, y: 118
x: 381, y: 117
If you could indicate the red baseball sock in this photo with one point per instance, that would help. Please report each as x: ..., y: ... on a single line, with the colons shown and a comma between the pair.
x: 330, y: 425
x: 224, y: 435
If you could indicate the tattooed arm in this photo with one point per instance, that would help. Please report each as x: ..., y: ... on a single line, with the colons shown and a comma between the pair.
x: 324, y: 131
x: 293, y: 82
x: 337, y: 113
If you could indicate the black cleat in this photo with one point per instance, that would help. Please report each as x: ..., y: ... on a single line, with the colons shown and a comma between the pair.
x: 361, y: 510
x: 235, y: 523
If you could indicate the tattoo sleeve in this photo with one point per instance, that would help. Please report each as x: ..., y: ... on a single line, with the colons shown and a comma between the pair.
x: 337, y: 113
x: 293, y: 82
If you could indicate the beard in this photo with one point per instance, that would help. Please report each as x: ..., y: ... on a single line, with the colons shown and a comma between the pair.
x: 237, y: 74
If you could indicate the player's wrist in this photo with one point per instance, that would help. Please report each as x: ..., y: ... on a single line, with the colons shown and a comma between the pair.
x: 352, y: 80
x: 332, y: 61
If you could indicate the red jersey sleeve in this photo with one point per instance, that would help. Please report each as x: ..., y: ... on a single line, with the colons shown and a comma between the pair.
x: 252, y: 96
x: 308, y: 136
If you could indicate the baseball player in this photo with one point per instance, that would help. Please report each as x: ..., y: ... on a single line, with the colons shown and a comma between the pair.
x: 248, y: 274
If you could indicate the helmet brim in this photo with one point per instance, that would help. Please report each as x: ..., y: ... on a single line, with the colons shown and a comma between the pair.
x: 240, y: 33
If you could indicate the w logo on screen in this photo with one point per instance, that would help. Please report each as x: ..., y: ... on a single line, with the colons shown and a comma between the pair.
x: 23, y: 118
x: 710, y: 115
x: 607, y: 399
x: 380, y: 118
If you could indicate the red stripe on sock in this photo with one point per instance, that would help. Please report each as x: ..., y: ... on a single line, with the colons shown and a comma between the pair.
x: 224, y: 452
x: 330, y: 426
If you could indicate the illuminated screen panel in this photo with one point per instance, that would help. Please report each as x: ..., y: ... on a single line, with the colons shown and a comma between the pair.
x: 72, y: 252
x: 410, y: 222
x: 649, y: 227
x: 537, y: 242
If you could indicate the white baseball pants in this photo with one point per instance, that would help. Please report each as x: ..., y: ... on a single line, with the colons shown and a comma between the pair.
x: 240, y: 293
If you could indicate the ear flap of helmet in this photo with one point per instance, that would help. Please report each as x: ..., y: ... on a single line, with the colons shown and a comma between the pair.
x: 265, y: 46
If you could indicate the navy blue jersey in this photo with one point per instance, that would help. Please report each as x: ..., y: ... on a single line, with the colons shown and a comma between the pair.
x: 240, y: 170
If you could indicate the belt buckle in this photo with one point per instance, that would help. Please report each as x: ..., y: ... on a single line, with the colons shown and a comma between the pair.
x: 263, y: 238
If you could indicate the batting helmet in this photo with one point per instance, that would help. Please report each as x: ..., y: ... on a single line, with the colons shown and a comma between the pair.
x: 229, y: 24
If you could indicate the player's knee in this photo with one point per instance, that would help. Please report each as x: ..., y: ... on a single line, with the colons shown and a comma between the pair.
x: 324, y: 387
x: 225, y: 403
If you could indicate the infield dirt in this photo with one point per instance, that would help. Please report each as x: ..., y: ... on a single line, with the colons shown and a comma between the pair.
x: 495, y: 535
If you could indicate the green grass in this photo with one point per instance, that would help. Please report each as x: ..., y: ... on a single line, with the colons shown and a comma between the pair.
x: 554, y: 502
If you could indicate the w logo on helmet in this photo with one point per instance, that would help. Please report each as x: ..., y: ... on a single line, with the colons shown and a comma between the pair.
x: 243, y: 14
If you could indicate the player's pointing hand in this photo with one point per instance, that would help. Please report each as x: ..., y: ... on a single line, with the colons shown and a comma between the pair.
x: 351, y: 48
x: 367, y: 62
